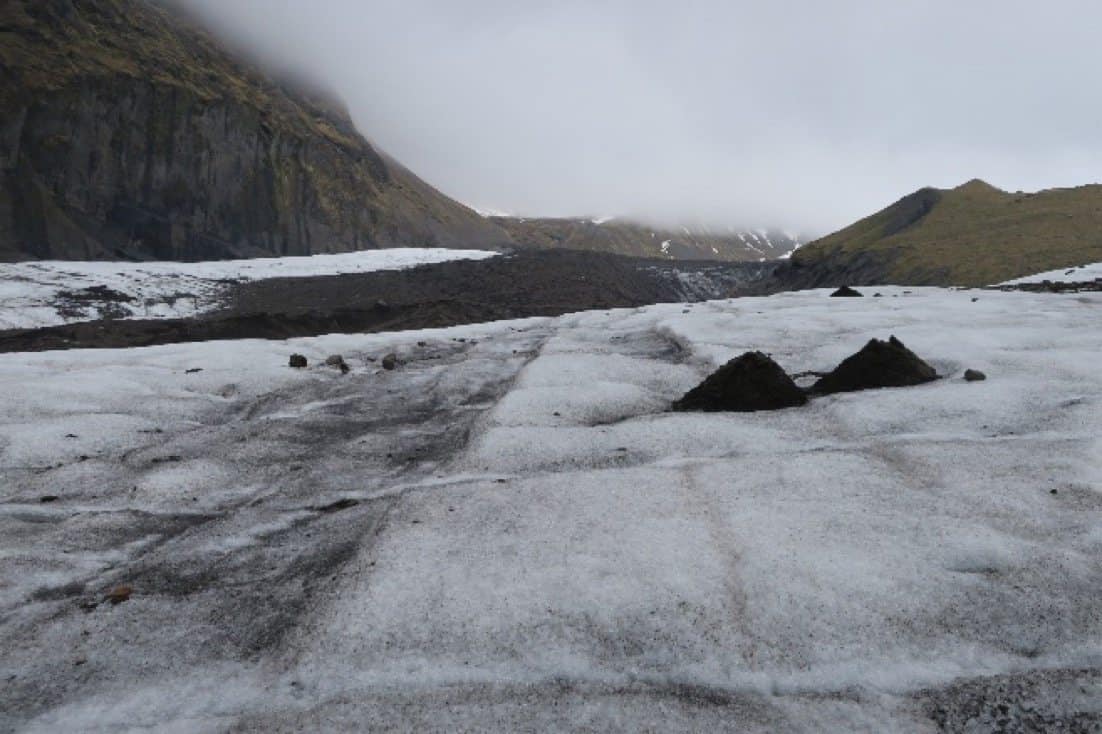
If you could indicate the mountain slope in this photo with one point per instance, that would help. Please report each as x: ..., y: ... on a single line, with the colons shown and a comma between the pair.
x: 125, y: 131
x: 641, y: 240
x: 972, y: 235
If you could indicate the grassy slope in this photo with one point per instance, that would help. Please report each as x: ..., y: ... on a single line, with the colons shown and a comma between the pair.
x: 972, y: 235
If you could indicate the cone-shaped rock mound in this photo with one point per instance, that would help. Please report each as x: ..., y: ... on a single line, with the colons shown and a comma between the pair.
x: 879, y: 364
x: 749, y: 383
x: 847, y: 292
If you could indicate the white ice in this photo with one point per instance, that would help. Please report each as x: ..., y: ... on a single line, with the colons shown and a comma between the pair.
x: 585, y: 559
x: 1078, y: 274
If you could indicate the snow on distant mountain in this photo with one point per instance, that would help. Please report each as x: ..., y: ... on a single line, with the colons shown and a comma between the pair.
x: 627, y: 237
x: 46, y: 293
x: 512, y: 527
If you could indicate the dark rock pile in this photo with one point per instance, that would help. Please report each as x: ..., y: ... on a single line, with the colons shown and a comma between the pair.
x: 847, y: 292
x: 755, y: 382
x: 749, y: 383
x: 878, y: 364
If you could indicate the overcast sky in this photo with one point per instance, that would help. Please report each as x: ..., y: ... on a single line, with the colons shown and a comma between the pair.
x: 799, y: 114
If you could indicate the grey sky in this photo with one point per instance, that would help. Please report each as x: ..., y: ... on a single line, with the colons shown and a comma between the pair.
x: 799, y: 114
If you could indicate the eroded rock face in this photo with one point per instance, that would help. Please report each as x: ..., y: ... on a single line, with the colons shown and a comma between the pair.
x: 748, y: 383
x: 878, y: 364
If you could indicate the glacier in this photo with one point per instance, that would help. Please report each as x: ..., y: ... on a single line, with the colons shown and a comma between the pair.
x: 511, y: 532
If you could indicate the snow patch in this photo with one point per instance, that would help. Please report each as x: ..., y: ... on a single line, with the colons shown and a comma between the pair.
x: 1080, y: 274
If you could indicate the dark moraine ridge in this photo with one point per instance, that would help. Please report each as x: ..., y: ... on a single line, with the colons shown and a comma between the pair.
x: 516, y: 285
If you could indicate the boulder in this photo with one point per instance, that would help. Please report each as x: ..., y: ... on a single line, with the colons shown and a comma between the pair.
x: 748, y: 383
x: 298, y: 362
x: 974, y: 376
x: 390, y: 362
x: 847, y: 292
x: 878, y: 364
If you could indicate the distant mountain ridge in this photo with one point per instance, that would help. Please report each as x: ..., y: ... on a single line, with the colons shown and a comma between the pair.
x: 972, y: 235
x: 626, y: 237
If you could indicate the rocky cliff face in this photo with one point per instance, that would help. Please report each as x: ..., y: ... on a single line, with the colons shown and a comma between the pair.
x: 126, y: 132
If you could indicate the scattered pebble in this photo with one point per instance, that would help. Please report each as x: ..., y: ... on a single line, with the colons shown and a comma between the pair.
x: 341, y: 504
x: 119, y: 594
x: 337, y: 360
